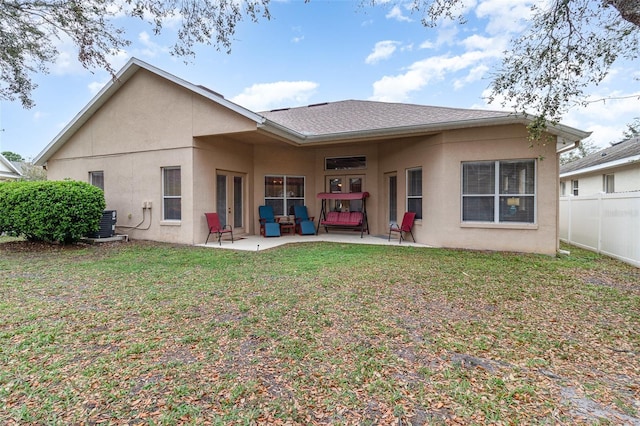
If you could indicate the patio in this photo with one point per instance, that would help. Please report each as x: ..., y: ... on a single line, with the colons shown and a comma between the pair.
x: 256, y: 242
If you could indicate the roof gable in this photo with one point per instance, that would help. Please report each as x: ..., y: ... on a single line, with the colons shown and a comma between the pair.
x: 130, y: 69
x: 7, y: 169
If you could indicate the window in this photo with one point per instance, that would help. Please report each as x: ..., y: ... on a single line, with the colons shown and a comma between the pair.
x: 563, y: 188
x: 414, y: 191
x: 171, y: 193
x: 97, y: 179
x: 498, y: 191
x: 345, y: 163
x: 283, y: 192
x: 574, y: 187
x: 393, y: 198
x: 608, y: 184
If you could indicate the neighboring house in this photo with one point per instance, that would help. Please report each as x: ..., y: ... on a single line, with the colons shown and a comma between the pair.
x: 8, y: 171
x: 613, y: 169
x: 166, y: 151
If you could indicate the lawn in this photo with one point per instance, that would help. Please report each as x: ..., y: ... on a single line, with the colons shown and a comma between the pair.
x: 317, y: 333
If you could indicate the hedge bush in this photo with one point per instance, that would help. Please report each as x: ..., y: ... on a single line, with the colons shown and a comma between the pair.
x: 53, y: 211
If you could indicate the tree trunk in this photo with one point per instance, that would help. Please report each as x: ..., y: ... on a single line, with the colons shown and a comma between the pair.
x: 629, y: 10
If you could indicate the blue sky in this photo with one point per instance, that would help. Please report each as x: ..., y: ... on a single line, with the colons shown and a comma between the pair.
x: 325, y: 51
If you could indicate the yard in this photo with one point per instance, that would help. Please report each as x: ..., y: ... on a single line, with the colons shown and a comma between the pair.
x: 146, y: 333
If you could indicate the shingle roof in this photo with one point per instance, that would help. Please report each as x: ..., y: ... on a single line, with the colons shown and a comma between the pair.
x: 354, y: 116
x: 619, y: 151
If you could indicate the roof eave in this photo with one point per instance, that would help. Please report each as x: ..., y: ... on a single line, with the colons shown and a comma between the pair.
x: 567, y: 133
x: 603, y: 166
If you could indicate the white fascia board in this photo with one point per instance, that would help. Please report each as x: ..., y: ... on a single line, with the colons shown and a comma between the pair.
x: 601, y: 167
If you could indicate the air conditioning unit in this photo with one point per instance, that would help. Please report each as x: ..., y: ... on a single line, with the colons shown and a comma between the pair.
x: 107, y: 225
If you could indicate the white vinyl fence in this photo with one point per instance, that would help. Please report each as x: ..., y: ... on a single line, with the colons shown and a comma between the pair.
x: 605, y: 223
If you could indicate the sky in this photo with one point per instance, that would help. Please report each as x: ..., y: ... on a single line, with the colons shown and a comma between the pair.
x: 325, y: 51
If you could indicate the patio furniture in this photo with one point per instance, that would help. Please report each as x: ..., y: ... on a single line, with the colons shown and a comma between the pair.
x: 269, y: 227
x: 213, y: 223
x: 407, y: 223
x: 356, y: 220
x: 304, y: 223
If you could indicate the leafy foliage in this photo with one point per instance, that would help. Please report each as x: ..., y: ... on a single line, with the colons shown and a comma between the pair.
x: 633, y: 129
x: 29, y: 28
x: 62, y: 211
x: 568, y: 47
x: 585, y: 148
x: 12, y: 156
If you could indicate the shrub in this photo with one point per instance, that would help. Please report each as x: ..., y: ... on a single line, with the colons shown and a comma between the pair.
x: 62, y: 211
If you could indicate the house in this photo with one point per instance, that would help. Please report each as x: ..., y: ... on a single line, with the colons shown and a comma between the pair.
x: 8, y: 171
x: 613, y: 169
x: 165, y: 151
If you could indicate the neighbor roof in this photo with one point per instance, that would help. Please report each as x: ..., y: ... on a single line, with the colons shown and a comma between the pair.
x: 7, y: 169
x: 617, y: 154
x: 322, y: 123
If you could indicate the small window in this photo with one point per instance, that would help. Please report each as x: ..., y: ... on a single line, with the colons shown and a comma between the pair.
x: 414, y: 191
x: 97, y: 179
x: 345, y: 163
x: 283, y: 192
x: 171, y: 193
x: 498, y: 191
x: 563, y: 188
x: 608, y: 184
x: 574, y: 187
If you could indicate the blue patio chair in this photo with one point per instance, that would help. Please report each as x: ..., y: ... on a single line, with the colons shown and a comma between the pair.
x: 269, y: 227
x: 304, y: 223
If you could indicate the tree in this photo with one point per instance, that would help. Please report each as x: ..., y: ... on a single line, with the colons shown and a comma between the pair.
x: 28, y: 29
x: 633, y: 129
x: 585, y: 148
x: 12, y: 156
x: 569, y: 46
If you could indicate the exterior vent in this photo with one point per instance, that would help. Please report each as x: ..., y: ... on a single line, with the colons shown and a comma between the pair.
x: 107, y: 225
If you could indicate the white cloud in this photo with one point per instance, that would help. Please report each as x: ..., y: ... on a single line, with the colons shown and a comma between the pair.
x: 396, y: 13
x: 96, y: 86
x: 149, y: 48
x: 265, y: 96
x: 421, y: 73
x: 382, y: 50
x: 505, y: 16
x: 475, y: 74
x: 427, y: 44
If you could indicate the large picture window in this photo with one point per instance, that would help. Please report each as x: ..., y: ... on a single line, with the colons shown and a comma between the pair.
x: 414, y: 191
x: 171, y: 193
x: 499, y: 191
x: 283, y: 192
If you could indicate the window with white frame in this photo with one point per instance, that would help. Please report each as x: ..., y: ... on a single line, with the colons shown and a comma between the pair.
x: 283, y: 192
x: 608, y: 183
x: 171, y: 193
x: 97, y: 179
x: 499, y: 191
x: 563, y: 188
x: 574, y: 187
x: 414, y: 191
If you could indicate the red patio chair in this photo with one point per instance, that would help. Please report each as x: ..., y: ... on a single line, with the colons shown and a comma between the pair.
x: 407, y: 224
x: 213, y: 223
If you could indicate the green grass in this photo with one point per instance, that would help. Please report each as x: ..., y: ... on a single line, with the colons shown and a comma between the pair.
x: 317, y: 333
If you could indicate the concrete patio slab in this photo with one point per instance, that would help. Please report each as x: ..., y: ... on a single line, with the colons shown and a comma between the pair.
x: 257, y: 243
